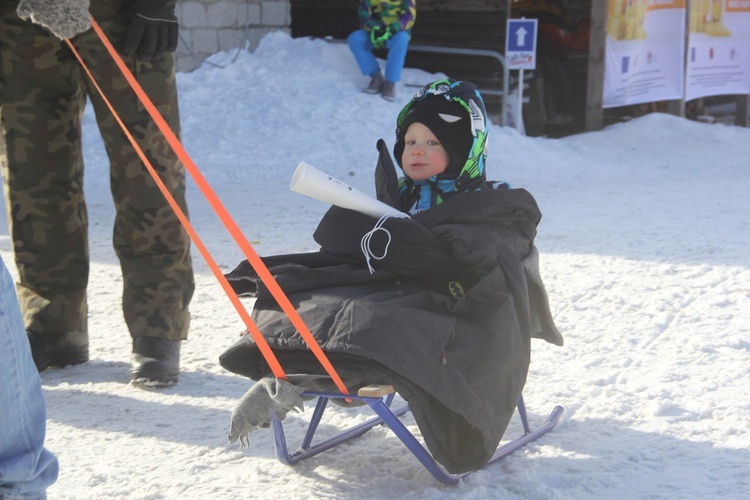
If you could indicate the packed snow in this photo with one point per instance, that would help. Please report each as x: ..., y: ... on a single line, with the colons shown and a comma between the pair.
x: 644, y: 243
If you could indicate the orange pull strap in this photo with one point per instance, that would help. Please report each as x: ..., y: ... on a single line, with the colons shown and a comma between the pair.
x: 256, y: 262
x: 252, y: 328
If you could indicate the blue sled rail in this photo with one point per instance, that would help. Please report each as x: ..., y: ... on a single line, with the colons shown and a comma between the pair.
x: 381, y: 405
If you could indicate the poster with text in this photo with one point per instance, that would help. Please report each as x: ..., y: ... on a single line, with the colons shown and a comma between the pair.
x: 645, y: 51
x: 718, y: 48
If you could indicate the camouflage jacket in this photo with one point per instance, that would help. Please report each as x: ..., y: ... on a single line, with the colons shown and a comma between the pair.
x: 387, y: 12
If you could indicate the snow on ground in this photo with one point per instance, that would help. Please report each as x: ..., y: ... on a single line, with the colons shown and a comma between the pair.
x: 644, y: 253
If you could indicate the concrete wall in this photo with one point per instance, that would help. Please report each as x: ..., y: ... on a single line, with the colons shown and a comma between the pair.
x: 211, y: 26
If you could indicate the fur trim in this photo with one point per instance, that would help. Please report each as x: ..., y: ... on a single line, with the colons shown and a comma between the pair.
x: 64, y: 18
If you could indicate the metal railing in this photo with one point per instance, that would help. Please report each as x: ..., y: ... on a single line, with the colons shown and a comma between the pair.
x: 469, y: 52
x: 476, y: 52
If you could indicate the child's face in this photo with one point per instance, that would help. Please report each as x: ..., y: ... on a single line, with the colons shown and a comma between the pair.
x: 423, y: 154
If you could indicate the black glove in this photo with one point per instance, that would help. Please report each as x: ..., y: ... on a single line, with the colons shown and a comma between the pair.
x: 152, y: 29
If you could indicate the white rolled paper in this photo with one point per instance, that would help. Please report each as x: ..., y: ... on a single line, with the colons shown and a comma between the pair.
x: 311, y: 182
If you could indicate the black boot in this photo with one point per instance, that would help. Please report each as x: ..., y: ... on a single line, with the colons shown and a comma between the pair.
x: 155, y: 362
x: 58, y: 349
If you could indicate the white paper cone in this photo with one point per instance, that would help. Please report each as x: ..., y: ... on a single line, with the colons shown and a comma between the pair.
x: 311, y: 182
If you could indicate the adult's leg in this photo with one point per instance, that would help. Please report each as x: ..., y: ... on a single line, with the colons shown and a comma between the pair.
x: 152, y: 245
x: 41, y: 106
x: 26, y: 467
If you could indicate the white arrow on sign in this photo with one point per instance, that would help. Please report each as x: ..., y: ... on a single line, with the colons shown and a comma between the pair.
x: 521, y: 36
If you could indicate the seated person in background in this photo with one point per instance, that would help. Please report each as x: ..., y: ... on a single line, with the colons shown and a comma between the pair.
x: 385, y: 24
x: 441, y: 305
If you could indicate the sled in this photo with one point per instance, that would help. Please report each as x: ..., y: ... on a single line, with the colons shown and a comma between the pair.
x: 380, y: 398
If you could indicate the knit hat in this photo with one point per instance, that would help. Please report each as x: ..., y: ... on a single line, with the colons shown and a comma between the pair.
x: 450, y: 123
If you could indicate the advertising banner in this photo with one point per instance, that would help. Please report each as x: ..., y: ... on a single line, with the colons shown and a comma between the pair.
x: 645, y: 51
x: 718, y: 48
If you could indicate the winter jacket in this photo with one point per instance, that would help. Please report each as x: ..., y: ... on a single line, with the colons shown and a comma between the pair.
x: 400, y: 13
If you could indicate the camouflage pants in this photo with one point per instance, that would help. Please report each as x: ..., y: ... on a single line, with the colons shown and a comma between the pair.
x: 43, y: 92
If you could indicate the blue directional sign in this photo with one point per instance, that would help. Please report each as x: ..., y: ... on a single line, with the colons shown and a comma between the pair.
x: 520, y: 43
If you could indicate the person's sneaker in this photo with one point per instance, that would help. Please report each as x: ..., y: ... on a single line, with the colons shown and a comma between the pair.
x: 389, y: 91
x: 155, y: 362
x: 58, y: 349
x: 376, y: 84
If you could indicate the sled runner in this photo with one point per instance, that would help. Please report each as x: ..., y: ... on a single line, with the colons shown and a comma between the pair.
x: 379, y: 398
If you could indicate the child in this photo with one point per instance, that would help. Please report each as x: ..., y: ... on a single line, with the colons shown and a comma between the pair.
x: 447, y: 315
x: 441, y: 136
x: 384, y: 24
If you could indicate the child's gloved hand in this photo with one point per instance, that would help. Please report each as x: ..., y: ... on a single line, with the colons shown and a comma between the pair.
x: 394, y: 27
x: 379, y: 36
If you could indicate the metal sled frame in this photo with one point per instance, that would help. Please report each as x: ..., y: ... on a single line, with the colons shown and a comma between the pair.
x: 379, y: 398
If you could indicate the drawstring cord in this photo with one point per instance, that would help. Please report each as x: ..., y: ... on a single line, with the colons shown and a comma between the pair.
x: 365, y: 243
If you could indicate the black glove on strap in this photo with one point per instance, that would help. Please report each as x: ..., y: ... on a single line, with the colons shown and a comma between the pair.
x: 152, y: 29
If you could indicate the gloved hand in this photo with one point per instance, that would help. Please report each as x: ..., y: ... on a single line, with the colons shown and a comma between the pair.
x: 64, y: 18
x: 152, y: 28
x: 379, y: 36
x: 394, y: 27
